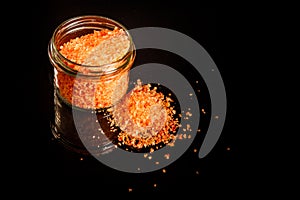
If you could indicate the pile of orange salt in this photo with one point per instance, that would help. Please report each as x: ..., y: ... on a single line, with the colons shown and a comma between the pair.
x: 145, y: 117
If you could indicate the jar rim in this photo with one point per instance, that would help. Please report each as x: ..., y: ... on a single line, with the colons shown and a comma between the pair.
x: 81, y: 20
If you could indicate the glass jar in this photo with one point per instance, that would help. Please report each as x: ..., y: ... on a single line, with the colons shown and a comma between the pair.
x: 91, y: 58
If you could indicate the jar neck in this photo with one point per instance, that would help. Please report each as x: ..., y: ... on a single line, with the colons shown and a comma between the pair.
x: 80, y: 26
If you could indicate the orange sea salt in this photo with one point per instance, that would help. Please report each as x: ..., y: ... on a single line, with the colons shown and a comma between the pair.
x: 94, y: 51
x: 145, y: 117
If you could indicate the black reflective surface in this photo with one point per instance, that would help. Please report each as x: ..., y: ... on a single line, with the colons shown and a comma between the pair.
x: 63, y: 168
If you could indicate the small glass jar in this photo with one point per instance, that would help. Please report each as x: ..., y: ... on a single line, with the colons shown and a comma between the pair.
x: 88, y: 86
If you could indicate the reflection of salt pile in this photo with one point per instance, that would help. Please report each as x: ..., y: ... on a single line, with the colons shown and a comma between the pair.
x: 145, y: 117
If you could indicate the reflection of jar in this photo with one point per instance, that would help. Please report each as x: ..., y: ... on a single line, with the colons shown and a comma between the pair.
x: 91, y: 58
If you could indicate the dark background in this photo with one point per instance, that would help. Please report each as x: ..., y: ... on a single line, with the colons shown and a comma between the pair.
x: 62, y: 170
